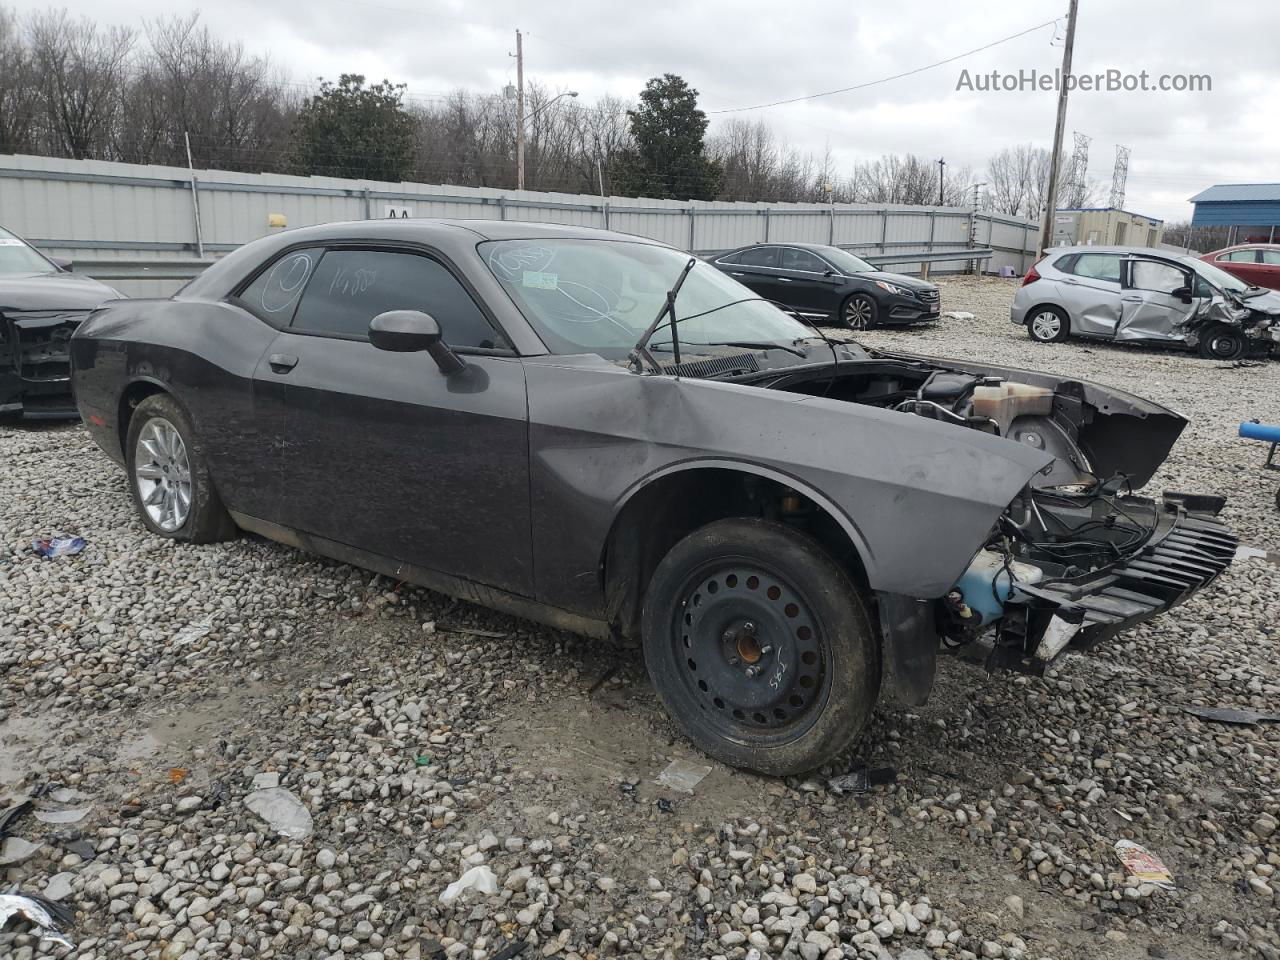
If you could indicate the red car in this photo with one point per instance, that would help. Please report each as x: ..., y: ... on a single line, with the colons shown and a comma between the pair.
x: 1254, y: 263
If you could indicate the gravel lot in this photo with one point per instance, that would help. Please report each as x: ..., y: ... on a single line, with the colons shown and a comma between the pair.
x: 166, y: 686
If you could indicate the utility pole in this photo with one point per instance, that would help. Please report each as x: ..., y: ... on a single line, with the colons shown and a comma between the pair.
x: 520, y: 110
x: 942, y: 169
x: 1051, y: 190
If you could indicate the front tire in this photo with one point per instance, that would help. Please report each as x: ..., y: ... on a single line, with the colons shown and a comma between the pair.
x: 860, y: 312
x: 1048, y: 325
x: 1221, y: 342
x: 759, y: 646
x: 169, y: 475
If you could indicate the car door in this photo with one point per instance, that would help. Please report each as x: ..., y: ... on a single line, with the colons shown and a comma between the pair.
x: 1269, y: 270
x: 803, y: 281
x: 1157, y: 301
x: 382, y: 451
x: 756, y: 269
x: 1090, y: 290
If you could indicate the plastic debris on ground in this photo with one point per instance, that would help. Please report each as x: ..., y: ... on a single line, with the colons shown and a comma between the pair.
x: 12, y: 813
x: 511, y: 950
x: 862, y: 779
x: 422, y: 760
x: 61, y: 816
x: 14, y: 850
x: 191, y: 633
x: 178, y: 774
x: 282, y: 810
x: 49, y: 918
x: 1246, y: 718
x: 480, y: 879
x: 52, y: 547
x: 682, y: 775
x: 957, y: 315
x: 1143, y: 864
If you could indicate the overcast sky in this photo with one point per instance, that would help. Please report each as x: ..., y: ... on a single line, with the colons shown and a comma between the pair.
x: 744, y: 53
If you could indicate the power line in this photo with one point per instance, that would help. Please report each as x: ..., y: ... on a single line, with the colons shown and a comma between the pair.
x: 896, y: 76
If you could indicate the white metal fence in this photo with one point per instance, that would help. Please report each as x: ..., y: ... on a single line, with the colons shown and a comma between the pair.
x: 148, y: 228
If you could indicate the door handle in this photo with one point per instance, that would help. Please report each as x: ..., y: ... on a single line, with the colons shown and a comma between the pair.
x: 784, y: 279
x: 282, y: 362
x: 1131, y: 299
x: 739, y: 274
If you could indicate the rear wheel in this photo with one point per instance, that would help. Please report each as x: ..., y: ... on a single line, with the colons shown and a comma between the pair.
x: 759, y: 646
x: 1221, y: 342
x: 1048, y: 325
x: 860, y: 312
x: 169, y: 476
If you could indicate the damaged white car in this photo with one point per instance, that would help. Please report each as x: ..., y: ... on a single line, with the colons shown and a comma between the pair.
x: 1140, y: 295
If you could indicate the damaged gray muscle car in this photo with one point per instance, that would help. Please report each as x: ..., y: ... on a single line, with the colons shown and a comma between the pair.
x: 1141, y: 295
x: 614, y: 438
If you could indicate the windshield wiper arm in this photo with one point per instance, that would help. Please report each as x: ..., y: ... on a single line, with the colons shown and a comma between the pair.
x: 641, y: 350
x: 752, y: 345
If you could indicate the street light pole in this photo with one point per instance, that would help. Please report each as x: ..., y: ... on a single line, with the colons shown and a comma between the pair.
x: 1051, y: 189
x: 520, y: 111
x: 942, y: 169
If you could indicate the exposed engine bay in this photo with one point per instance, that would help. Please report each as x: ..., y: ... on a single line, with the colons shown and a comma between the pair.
x: 1078, y: 555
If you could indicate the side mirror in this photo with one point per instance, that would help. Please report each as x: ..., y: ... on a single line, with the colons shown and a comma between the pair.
x: 408, y: 331
x: 62, y: 263
x: 829, y: 272
x: 1182, y: 293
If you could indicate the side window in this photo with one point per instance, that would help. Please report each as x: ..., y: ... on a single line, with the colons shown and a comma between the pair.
x: 1271, y: 257
x: 1155, y: 276
x: 793, y: 259
x: 1240, y: 256
x: 759, y: 257
x: 1098, y: 266
x: 1067, y: 264
x: 351, y: 287
x: 273, y: 295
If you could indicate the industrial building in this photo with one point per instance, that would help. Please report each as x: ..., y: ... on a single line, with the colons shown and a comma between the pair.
x: 1106, y: 226
x: 1249, y: 211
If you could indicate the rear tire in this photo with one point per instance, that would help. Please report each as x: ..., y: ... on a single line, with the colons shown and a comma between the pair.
x: 1221, y: 342
x: 169, y: 475
x: 1048, y: 324
x: 760, y: 647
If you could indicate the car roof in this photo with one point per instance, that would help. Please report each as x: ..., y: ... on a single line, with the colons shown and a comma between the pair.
x: 1244, y: 246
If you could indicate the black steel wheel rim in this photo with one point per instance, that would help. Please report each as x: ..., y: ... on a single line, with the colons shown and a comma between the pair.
x: 750, y: 652
x: 1223, y: 345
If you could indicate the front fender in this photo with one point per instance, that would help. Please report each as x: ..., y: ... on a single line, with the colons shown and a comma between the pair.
x: 919, y: 496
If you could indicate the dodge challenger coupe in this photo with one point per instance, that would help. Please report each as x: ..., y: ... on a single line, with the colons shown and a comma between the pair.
x: 612, y: 437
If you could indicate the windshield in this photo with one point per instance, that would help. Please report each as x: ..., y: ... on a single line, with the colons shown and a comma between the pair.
x: 599, y: 296
x: 1219, y: 278
x: 18, y: 258
x: 846, y: 262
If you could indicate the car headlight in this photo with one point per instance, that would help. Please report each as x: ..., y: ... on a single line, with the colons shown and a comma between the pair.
x: 883, y: 285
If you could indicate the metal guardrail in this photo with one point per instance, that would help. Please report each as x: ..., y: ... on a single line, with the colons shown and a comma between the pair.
x: 944, y: 256
x: 103, y: 269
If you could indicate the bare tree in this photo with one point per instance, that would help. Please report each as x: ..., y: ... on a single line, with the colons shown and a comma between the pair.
x: 20, y: 94
x: 82, y: 69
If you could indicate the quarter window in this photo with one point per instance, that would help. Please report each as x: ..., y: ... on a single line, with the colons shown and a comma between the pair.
x: 1271, y: 257
x: 274, y: 293
x: 793, y: 259
x: 351, y: 287
x: 1098, y: 266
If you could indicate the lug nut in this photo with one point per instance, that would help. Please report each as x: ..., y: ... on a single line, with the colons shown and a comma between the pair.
x: 767, y: 648
x: 733, y: 661
x: 749, y: 628
x: 753, y: 671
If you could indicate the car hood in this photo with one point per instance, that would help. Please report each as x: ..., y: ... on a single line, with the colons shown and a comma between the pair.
x: 1268, y: 302
x: 899, y: 280
x: 52, y: 291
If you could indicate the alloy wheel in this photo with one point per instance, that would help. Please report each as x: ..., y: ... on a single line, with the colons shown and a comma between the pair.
x: 162, y: 472
x: 1046, y: 325
x: 858, y: 313
x: 753, y: 653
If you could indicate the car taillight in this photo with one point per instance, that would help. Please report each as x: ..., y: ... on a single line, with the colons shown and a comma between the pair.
x: 1031, y: 276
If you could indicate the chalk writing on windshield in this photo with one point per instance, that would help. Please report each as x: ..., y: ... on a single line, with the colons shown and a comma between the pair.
x: 352, y: 283
x: 285, y: 281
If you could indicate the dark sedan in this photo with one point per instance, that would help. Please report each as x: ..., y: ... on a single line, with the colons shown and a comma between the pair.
x: 41, y: 304
x: 613, y: 437
x: 826, y: 283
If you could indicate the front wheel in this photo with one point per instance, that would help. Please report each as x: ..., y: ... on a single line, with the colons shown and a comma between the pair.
x: 759, y: 646
x: 860, y: 312
x: 169, y: 476
x: 1221, y: 342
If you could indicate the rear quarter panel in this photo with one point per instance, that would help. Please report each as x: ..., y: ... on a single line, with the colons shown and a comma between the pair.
x: 204, y: 354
